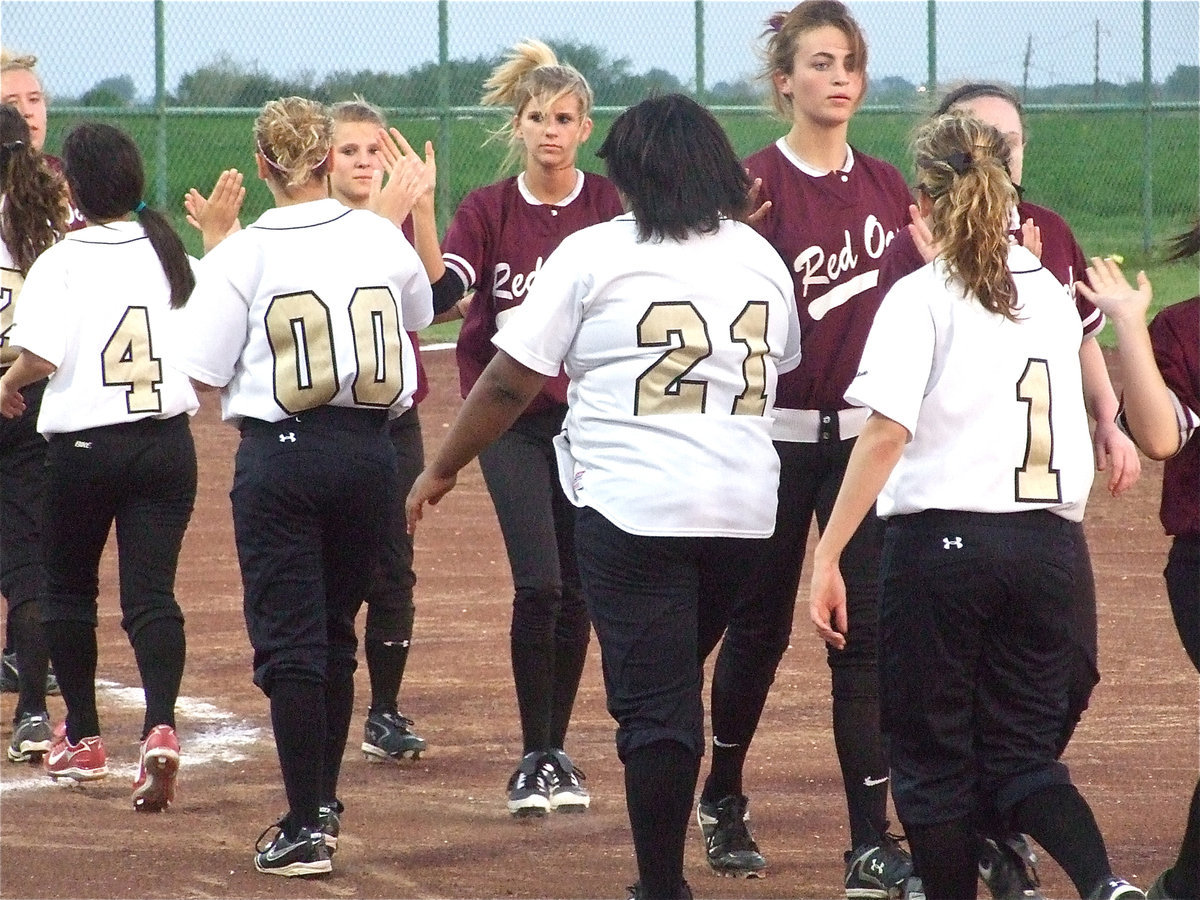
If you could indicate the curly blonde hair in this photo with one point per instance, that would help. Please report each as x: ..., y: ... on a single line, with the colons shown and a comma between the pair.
x: 531, y: 71
x: 294, y: 135
x: 10, y: 60
x: 962, y: 166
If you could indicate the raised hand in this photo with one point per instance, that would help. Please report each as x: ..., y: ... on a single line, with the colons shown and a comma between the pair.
x: 410, y: 179
x: 216, y: 216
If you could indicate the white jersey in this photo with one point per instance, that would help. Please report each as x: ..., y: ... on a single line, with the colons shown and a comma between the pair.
x: 11, y: 281
x: 673, y: 350
x: 994, y: 408
x: 95, y: 306
x: 309, y: 306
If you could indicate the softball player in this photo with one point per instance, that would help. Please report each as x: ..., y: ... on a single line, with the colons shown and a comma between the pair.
x: 1161, y: 409
x: 496, y: 245
x: 977, y: 448
x: 21, y: 87
x: 92, y: 317
x: 672, y: 323
x: 301, y: 321
x: 1007, y: 864
x: 832, y: 212
x: 31, y: 220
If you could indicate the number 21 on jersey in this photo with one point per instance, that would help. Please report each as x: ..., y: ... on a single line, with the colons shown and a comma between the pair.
x: 665, y: 388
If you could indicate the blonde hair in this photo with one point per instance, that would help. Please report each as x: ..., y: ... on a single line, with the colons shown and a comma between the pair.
x: 10, y: 61
x: 962, y: 166
x: 357, y: 109
x: 531, y: 71
x: 294, y: 135
x: 783, y: 33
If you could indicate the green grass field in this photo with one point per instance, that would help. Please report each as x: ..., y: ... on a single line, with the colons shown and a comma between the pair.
x: 1085, y: 165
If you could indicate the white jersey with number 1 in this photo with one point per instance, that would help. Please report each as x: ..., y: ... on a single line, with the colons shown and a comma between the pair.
x: 994, y: 408
x: 95, y: 306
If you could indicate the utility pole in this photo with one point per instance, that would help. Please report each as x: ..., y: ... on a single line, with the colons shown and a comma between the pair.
x: 1096, y: 71
x: 1025, y: 76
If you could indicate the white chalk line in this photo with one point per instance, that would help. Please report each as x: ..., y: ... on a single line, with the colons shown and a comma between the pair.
x: 207, y: 734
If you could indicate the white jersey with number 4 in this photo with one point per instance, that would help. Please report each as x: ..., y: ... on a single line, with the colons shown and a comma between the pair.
x: 309, y: 306
x: 95, y: 305
x: 673, y: 350
x: 994, y: 408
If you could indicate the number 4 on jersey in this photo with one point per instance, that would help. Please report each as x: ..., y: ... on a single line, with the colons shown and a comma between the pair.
x: 128, y: 361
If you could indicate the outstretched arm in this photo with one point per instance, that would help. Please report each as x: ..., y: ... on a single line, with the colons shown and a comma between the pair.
x: 503, y: 391
x: 28, y: 368
x: 876, y: 452
x: 1149, y: 411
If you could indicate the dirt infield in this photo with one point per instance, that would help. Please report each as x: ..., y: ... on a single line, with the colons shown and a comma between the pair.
x: 438, y: 827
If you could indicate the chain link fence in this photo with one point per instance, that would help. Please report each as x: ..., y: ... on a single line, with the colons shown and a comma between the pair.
x: 1111, y: 88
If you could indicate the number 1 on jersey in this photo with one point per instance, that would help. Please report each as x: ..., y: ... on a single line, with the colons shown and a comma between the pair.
x: 1036, y: 481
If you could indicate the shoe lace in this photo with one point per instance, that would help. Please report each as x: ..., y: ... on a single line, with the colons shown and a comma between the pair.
x: 731, y: 832
x: 277, y: 827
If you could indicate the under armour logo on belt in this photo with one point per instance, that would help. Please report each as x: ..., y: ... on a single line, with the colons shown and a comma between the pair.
x: 290, y: 436
x: 947, y: 543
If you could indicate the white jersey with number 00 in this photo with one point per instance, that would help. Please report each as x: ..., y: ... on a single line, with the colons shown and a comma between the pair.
x: 95, y: 305
x: 994, y: 408
x: 673, y: 350
x: 309, y: 306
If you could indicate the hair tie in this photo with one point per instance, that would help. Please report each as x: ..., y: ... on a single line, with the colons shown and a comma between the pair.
x: 959, y: 161
x: 775, y: 23
x: 141, y: 206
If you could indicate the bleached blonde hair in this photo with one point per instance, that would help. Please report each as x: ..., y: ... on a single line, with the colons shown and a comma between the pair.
x: 294, y: 135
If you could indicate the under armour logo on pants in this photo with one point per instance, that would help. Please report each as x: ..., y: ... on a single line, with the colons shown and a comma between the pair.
x: 947, y: 543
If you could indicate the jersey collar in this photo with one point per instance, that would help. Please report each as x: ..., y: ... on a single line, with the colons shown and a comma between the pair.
x: 534, y: 201
x: 808, y: 168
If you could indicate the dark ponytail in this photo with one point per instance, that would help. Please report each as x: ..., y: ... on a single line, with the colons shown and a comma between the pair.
x: 107, y: 180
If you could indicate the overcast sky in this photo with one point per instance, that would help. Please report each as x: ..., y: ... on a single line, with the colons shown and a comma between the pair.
x: 80, y: 42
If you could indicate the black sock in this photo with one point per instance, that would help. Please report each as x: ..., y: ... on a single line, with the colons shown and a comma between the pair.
x: 73, y: 650
x: 385, y: 668
x: 1183, y: 880
x: 160, y: 649
x: 339, y: 710
x: 33, y: 658
x: 660, y: 782
x: 1059, y: 819
x: 859, y: 743
x: 533, y: 676
x: 572, y: 634
x: 946, y: 858
x: 731, y: 721
x: 298, y: 717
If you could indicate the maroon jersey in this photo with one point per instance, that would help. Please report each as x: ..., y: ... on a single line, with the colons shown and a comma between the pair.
x: 1175, y: 337
x: 496, y: 243
x: 1061, y: 254
x: 75, y: 219
x: 422, y: 383
x: 831, y: 230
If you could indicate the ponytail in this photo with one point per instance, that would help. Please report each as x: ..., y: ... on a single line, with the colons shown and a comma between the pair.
x: 963, y: 168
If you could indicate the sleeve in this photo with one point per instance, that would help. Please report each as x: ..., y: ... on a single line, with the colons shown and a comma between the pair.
x: 209, y: 333
x: 1093, y: 320
x: 893, y: 374
x: 1178, y: 360
x: 416, y: 295
x: 39, y: 317
x: 540, y: 332
x: 465, y: 241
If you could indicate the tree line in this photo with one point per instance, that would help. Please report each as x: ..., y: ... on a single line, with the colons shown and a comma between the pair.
x: 226, y: 82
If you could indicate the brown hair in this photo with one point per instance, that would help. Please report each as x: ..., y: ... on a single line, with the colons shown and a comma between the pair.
x: 531, y: 71
x: 783, y: 33
x: 962, y: 166
x: 357, y: 109
x: 34, y: 212
x: 1186, y: 244
x: 294, y: 135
